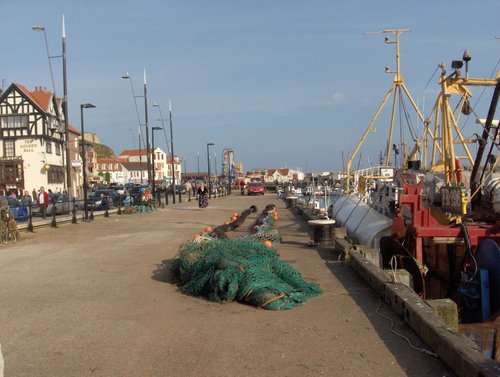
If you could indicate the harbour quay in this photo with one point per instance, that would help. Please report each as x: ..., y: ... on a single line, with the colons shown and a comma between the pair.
x: 98, y: 299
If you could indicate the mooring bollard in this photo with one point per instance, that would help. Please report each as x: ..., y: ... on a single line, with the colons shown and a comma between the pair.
x: 180, y: 197
x: 106, y: 213
x: 292, y: 201
x: 91, y: 217
x: 53, y: 224
x: 73, y: 220
x: 30, y: 221
x: 323, y: 230
x: 166, y: 197
x: 189, y: 195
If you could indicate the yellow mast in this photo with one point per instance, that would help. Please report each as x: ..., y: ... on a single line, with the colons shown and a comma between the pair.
x: 447, y: 132
x: 399, y: 87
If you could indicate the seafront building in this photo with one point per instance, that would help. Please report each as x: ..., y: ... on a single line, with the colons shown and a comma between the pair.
x: 162, y: 166
x: 32, y: 147
x: 278, y: 176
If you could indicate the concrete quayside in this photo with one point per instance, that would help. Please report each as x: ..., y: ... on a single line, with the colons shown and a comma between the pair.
x: 96, y: 299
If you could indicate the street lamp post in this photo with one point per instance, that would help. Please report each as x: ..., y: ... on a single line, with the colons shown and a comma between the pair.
x: 198, y: 158
x: 215, y: 163
x: 208, y: 162
x: 145, y: 96
x: 84, y: 158
x: 172, y: 147
x: 153, y: 129
x: 171, y: 143
x: 65, y: 97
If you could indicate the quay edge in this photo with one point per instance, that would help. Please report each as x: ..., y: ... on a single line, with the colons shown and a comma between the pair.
x: 454, y: 348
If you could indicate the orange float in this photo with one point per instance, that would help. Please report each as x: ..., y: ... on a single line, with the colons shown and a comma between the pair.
x: 234, y: 218
x: 275, y: 216
x: 208, y: 229
x: 268, y: 244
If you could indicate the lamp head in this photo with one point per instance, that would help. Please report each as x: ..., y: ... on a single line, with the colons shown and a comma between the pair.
x: 126, y: 76
x: 467, y: 56
x: 156, y: 128
x: 87, y: 106
x: 208, y: 144
x: 38, y: 28
x: 457, y: 64
x: 155, y: 104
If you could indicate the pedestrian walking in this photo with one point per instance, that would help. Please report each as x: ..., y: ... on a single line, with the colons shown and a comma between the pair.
x: 43, y: 201
x: 202, y: 197
x: 26, y: 198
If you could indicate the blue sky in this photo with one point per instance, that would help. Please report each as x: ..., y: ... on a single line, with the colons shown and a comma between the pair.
x: 283, y: 83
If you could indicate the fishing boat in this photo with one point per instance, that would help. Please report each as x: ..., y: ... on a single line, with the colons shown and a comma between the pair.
x: 437, y: 214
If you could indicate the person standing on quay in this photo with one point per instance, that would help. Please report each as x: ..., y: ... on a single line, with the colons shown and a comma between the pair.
x: 202, y: 197
x: 43, y: 201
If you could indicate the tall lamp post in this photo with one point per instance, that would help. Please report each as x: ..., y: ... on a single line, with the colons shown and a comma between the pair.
x: 171, y: 143
x: 127, y: 76
x: 208, y: 162
x: 65, y: 96
x: 153, y: 129
x: 84, y: 158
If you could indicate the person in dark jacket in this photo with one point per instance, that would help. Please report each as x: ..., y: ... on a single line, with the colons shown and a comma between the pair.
x: 202, y: 197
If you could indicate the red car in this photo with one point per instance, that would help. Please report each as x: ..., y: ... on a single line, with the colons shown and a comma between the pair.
x: 256, y: 188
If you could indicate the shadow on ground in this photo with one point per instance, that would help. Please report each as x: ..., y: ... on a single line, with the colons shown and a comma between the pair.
x: 372, y: 305
x: 164, y: 272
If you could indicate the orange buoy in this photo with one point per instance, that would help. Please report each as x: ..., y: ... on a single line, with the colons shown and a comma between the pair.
x: 275, y: 216
x: 235, y: 214
x: 208, y: 229
x: 268, y: 244
x: 196, y: 235
x: 234, y: 218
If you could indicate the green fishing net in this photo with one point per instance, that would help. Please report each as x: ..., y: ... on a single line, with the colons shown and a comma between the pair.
x: 241, y: 269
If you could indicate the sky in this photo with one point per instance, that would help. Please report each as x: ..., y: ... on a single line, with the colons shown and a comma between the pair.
x: 284, y: 84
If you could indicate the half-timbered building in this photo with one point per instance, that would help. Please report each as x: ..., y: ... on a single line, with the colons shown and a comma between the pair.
x: 31, y: 140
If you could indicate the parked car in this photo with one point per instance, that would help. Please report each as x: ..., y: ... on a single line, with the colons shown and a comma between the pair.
x: 18, y: 210
x: 136, y: 195
x: 62, y: 203
x: 255, y: 188
x: 178, y: 188
x: 101, y: 200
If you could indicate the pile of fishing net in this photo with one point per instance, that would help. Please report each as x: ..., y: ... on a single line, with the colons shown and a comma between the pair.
x: 243, y: 269
x: 8, y: 225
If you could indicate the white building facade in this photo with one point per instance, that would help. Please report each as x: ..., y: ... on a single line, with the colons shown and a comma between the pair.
x: 32, y: 141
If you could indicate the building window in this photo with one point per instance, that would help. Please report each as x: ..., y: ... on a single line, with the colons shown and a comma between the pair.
x: 14, y: 121
x: 58, y: 149
x: 54, y: 123
x: 9, y: 148
x: 55, y: 174
x: 48, y: 147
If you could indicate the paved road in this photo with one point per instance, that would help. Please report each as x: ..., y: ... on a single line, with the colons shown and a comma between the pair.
x: 95, y: 299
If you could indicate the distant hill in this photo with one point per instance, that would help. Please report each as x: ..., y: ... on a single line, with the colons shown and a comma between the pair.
x: 103, y: 151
